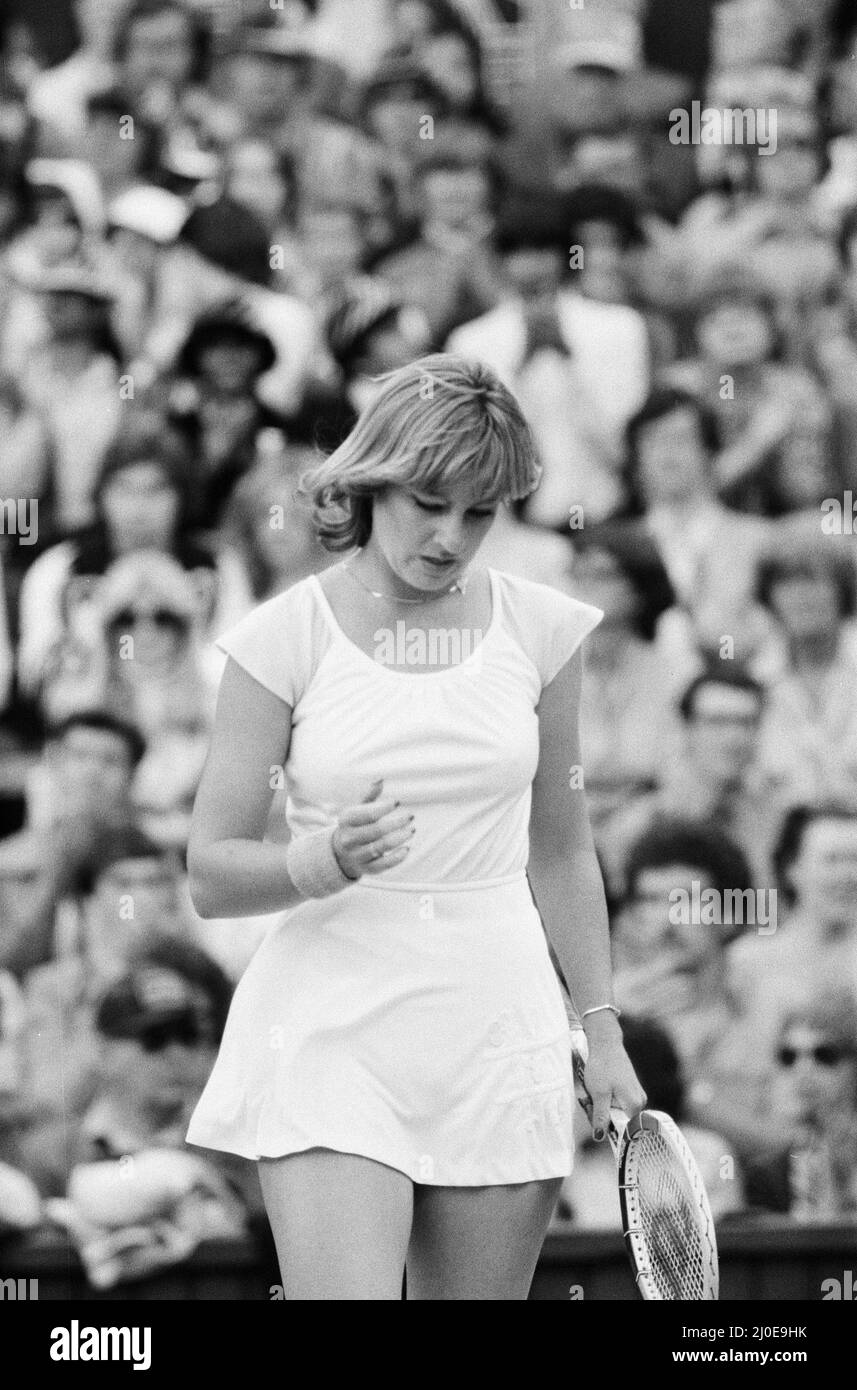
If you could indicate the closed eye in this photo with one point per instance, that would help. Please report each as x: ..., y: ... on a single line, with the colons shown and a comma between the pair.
x: 434, y: 505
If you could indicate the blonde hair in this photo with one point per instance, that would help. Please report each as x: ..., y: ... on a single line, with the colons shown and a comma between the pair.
x: 440, y: 420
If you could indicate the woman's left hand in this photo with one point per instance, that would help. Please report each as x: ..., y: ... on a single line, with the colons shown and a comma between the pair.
x: 609, y: 1076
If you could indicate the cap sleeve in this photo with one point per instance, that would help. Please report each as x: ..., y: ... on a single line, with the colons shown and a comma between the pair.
x: 549, y: 625
x: 568, y: 622
x: 278, y: 643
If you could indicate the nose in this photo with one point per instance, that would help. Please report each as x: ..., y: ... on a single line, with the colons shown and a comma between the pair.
x: 449, y: 537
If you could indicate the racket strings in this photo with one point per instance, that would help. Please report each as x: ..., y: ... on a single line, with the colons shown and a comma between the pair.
x: 669, y: 1218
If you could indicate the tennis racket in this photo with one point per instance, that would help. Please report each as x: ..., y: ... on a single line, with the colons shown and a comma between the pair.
x: 666, y: 1218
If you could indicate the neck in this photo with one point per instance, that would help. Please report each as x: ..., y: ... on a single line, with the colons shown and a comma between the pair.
x: 370, y: 567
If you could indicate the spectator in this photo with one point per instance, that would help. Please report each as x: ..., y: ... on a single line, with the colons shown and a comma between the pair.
x: 130, y: 896
x: 812, y: 1174
x: 756, y: 401
x: 164, y: 1019
x: 815, y: 944
x: 809, y: 729
x: 215, y: 405
x: 145, y: 665
x: 73, y: 382
x: 89, y: 769
x: 674, y: 515
x: 627, y: 717
x: 450, y: 272
x: 686, y: 899
x: 580, y: 369
x: 159, y: 1028
x: 223, y: 253
x: 142, y: 502
x: 715, y: 774
x: 263, y: 180
x: 143, y: 221
x: 370, y: 331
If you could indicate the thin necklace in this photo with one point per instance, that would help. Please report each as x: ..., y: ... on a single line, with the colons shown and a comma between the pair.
x: 457, y: 587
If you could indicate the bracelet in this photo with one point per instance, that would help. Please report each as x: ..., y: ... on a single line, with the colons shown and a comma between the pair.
x: 313, y: 867
x: 600, y: 1008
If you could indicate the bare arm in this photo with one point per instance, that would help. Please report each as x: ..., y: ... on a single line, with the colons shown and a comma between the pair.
x: 569, y: 890
x: 232, y: 872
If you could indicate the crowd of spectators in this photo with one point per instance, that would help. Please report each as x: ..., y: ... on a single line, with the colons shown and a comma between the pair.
x: 220, y: 221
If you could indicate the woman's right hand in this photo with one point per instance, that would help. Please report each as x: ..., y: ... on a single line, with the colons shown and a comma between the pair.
x: 373, y: 836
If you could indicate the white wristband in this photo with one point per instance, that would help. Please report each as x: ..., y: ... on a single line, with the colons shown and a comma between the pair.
x: 313, y: 867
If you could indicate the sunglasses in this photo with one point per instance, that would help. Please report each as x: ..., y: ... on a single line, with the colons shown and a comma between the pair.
x: 160, y: 1035
x: 824, y: 1055
x: 161, y: 617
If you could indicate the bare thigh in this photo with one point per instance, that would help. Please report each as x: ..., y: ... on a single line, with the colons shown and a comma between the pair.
x: 478, y: 1243
x: 341, y: 1224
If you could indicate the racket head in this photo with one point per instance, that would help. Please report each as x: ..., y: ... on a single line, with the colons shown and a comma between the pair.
x: 666, y: 1216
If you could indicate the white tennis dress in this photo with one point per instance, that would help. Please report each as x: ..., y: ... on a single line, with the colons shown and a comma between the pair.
x: 414, y: 1018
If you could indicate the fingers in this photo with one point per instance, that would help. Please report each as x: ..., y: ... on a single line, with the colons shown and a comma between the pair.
x: 621, y: 1092
x: 388, y: 860
x: 371, y: 832
x: 601, y: 1103
x: 373, y: 836
x: 365, y: 814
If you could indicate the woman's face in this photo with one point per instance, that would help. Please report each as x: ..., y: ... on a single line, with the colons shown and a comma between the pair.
x: 736, y: 334
x: 428, y: 539
x: 141, y: 508
x: 815, y: 1075
x: 824, y: 874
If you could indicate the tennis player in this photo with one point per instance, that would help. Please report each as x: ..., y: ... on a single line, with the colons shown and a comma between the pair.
x: 397, y: 1054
